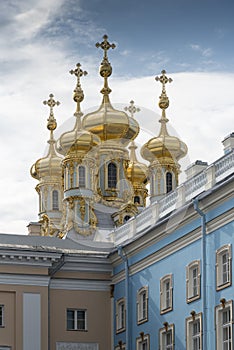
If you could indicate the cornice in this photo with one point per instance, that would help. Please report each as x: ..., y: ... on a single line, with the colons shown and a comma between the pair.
x: 82, y: 285
x: 24, y: 280
x: 32, y: 258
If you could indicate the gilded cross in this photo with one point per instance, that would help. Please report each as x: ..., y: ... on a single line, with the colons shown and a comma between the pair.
x: 51, y: 125
x: 164, y: 80
x: 51, y: 103
x: 132, y: 109
x: 78, y: 72
x: 105, y: 45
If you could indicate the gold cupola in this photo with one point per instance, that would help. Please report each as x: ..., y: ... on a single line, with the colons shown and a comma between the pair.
x: 163, y: 151
x: 106, y: 122
x: 164, y: 145
x: 48, y: 171
x: 50, y: 165
x: 77, y: 141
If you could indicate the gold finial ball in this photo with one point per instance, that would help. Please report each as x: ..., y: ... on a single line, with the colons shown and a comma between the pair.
x: 52, y: 124
x: 105, y: 69
x: 163, y: 102
x: 78, y: 96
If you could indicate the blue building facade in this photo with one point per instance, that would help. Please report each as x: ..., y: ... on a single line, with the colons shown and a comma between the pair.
x: 174, y: 278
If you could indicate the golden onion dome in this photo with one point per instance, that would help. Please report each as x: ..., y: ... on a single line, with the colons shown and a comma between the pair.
x: 111, y: 124
x: 107, y: 122
x: 77, y: 141
x: 50, y: 165
x: 136, y: 171
x: 164, y: 146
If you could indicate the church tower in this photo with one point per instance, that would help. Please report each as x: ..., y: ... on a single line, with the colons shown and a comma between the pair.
x: 115, y: 129
x: 79, y: 168
x: 163, y: 152
x: 49, y: 173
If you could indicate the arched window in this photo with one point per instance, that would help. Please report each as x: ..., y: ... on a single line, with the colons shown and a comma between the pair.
x: 81, y: 176
x: 137, y: 199
x: 55, y: 200
x: 168, y: 182
x: 112, y: 175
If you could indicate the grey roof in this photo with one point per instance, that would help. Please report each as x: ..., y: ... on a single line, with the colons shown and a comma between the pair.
x: 12, y: 241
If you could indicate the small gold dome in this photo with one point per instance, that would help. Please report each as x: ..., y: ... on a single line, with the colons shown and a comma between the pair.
x: 136, y: 171
x: 51, y: 164
x: 47, y: 166
x: 77, y: 140
x: 111, y: 124
x: 164, y: 146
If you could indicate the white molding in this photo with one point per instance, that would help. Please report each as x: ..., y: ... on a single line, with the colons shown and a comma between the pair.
x: 160, y: 254
x: 24, y: 280
x: 73, y: 284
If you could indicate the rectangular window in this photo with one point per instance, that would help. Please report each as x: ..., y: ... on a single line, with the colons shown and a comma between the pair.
x: 226, y: 330
x: 166, y: 294
x: 143, y: 342
x: 1, y: 315
x: 224, y: 320
x: 223, y: 267
x: 194, y: 332
x: 193, y: 281
x: 76, y: 320
x: 142, y: 305
x: 166, y: 337
x: 120, y: 315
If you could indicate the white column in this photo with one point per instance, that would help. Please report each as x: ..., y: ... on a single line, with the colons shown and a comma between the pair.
x: 31, y: 321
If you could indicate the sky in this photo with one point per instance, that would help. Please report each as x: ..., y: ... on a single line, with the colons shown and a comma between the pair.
x: 42, y: 40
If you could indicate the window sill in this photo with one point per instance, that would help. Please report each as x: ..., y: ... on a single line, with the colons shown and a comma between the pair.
x: 222, y: 286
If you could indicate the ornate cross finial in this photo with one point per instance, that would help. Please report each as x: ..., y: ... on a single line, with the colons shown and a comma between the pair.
x: 164, y: 80
x: 78, y: 72
x: 105, y: 45
x: 51, y: 103
x: 78, y: 92
x: 51, y: 120
x: 132, y: 109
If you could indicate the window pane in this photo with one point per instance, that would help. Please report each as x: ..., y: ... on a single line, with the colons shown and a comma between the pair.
x: 112, y: 175
x: 55, y: 200
x: 168, y: 182
x: 81, y: 319
x: 70, y: 319
x: 81, y: 176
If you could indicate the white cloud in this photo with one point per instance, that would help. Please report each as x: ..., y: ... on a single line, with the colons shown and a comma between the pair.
x: 205, y: 52
x: 33, y: 65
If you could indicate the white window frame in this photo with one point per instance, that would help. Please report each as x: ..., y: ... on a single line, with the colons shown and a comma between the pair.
x: 223, y: 269
x: 163, y: 332
x: 120, y: 315
x: 190, y: 336
x: 143, y: 342
x: 226, y: 306
x: 76, y: 328
x: 2, y: 313
x: 166, y: 294
x: 142, y: 305
x: 193, y: 283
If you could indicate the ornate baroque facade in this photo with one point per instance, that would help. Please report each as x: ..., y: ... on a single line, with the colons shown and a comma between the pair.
x: 101, y: 269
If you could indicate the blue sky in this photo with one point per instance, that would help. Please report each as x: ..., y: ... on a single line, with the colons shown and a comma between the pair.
x: 41, y: 40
